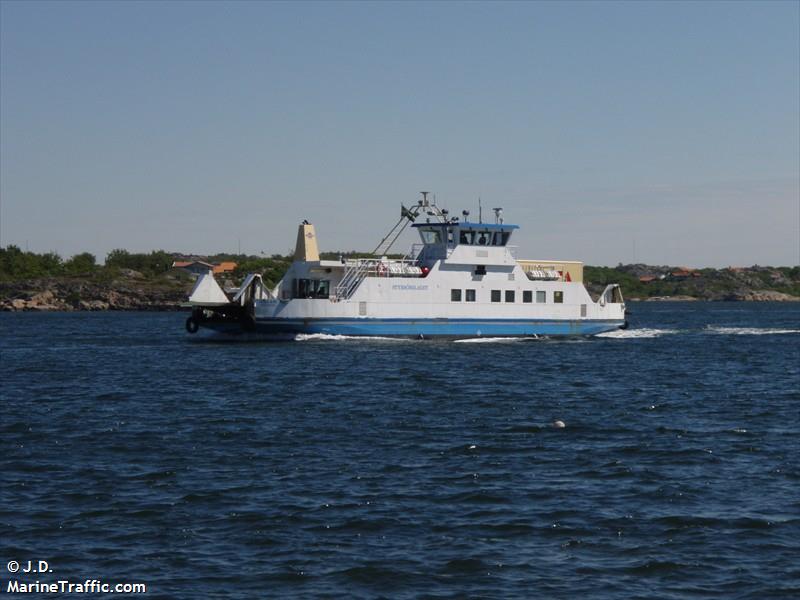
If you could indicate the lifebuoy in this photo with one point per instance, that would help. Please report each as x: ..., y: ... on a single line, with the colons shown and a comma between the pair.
x: 192, y: 325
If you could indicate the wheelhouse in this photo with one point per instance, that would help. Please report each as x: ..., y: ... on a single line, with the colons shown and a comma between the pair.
x: 463, y: 233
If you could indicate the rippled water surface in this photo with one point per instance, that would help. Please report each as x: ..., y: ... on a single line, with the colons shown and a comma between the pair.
x: 407, y: 469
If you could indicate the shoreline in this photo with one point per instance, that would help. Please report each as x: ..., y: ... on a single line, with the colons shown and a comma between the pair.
x: 86, y: 295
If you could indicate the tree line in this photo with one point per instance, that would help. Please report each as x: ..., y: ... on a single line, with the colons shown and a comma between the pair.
x: 16, y: 264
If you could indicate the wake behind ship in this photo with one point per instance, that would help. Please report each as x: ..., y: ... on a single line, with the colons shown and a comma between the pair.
x: 461, y: 280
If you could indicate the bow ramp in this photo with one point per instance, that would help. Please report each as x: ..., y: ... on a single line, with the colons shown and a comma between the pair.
x: 213, y: 305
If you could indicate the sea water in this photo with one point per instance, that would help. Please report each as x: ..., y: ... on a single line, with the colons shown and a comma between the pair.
x: 352, y: 468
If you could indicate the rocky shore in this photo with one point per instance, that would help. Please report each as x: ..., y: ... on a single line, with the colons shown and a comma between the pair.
x: 64, y: 294
x: 682, y: 284
x: 738, y: 296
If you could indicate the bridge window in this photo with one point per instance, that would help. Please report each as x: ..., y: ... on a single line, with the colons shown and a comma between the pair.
x: 470, y: 295
x: 558, y: 297
x: 495, y: 295
x: 455, y: 295
x: 469, y: 237
x: 431, y: 236
x: 541, y: 296
x: 480, y: 269
x: 509, y: 295
x: 527, y: 296
x: 500, y: 238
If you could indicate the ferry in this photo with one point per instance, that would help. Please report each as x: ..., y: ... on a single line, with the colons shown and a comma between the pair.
x: 461, y: 280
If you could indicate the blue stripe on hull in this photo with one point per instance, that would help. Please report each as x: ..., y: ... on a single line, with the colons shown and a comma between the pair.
x: 436, y: 327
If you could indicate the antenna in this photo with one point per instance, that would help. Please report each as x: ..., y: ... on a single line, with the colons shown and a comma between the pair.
x: 480, y: 211
x: 424, y: 198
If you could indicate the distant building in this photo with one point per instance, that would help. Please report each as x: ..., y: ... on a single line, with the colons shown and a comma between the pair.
x: 224, y: 267
x: 684, y: 273
x: 201, y: 267
x: 647, y: 278
x: 195, y: 267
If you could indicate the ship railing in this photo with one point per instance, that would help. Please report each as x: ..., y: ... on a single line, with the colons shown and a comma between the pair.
x: 356, y: 270
x: 354, y: 273
x: 415, y: 252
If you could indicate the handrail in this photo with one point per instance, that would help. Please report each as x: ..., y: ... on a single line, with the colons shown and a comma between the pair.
x: 356, y: 270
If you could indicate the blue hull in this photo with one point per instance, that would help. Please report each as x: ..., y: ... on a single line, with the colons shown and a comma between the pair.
x: 428, y: 327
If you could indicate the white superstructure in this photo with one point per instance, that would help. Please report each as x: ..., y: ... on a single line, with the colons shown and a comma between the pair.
x: 462, y: 279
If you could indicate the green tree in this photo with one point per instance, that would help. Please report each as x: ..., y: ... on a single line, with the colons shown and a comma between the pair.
x: 16, y: 264
x: 118, y: 258
x: 80, y: 264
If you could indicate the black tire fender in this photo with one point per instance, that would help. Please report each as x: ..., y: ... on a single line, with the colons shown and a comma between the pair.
x: 192, y: 325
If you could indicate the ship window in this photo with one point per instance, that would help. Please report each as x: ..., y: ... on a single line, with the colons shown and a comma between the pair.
x: 480, y: 269
x: 500, y: 238
x: 450, y: 237
x: 541, y: 296
x: 300, y: 288
x: 467, y: 237
x: 484, y: 239
x: 470, y: 295
x: 431, y: 236
x: 527, y: 296
x: 455, y: 295
x: 495, y: 295
x: 558, y: 297
x: 509, y: 295
x: 313, y: 288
